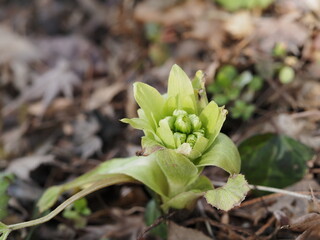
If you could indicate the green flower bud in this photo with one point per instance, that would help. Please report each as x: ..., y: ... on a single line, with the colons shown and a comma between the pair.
x: 199, y: 133
x: 191, y: 139
x: 179, y: 112
x: 183, y: 124
x: 196, y: 123
x: 179, y: 138
x: 170, y: 120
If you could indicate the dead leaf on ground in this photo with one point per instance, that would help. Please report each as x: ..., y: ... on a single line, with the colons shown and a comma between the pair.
x: 292, y: 205
x: 186, y: 12
x: 86, y: 142
x: 13, y: 143
x: 240, y: 25
x: 48, y: 86
x: 125, y: 227
x: 299, y: 126
x: 309, y: 224
x: 309, y: 94
x: 14, y: 47
x: 75, y: 49
x: 102, y: 96
x: 21, y: 167
x: 177, y: 232
x: 286, y: 30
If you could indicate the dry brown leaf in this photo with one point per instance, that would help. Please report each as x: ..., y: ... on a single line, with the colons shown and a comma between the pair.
x: 286, y: 29
x: 48, y: 86
x: 103, y: 96
x: 300, y: 128
x: 309, y: 224
x: 177, y: 232
x: 309, y: 94
x: 14, y: 47
x: 305, y: 222
x: 13, y: 141
x: 295, y: 206
x: 186, y: 12
x: 21, y: 167
x: 84, y: 137
x: 58, y: 105
x: 240, y: 25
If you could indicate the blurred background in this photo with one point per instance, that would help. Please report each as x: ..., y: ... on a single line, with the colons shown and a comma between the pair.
x: 66, y: 74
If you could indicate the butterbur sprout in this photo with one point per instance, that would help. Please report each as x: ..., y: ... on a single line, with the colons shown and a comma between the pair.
x: 181, y: 137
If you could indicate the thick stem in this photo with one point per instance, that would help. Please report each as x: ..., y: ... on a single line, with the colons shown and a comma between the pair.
x: 94, y: 187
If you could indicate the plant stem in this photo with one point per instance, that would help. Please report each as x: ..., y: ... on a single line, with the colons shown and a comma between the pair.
x: 271, y: 189
x: 94, y: 187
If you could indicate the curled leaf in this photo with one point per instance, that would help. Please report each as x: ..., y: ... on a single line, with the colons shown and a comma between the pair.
x: 230, y: 195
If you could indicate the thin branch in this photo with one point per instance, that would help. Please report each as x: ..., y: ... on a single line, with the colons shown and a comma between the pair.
x: 271, y: 189
x: 157, y: 222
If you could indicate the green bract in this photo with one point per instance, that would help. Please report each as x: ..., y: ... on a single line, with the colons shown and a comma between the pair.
x: 182, y: 119
x: 182, y: 136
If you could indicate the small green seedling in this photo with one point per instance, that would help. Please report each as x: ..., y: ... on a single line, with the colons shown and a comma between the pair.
x: 232, y: 5
x: 181, y: 137
x: 77, y: 212
x: 286, y: 74
x: 236, y: 90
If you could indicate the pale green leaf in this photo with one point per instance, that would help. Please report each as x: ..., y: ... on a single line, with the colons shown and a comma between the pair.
x: 199, y: 147
x: 3, y: 226
x: 198, y: 84
x: 188, y: 198
x: 170, y: 105
x: 166, y: 135
x: 179, y: 85
x: 150, y: 145
x: 186, y: 102
x: 143, y: 169
x: 5, y: 180
x: 4, y: 234
x: 149, y: 131
x: 150, y: 100
x: 202, y: 184
x: 223, y: 154
x: 138, y: 123
x: 230, y: 195
x: 183, y: 200
x: 49, y: 198
x: 178, y: 170
x: 212, y: 117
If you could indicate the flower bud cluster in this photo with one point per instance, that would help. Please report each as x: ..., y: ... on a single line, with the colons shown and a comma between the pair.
x: 186, y: 128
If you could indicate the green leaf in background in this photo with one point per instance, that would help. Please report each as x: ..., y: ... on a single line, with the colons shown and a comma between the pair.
x: 279, y: 50
x: 241, y: 109
x: 286, y: 75
x: 233, y: 5
x: 5, y: 180
x: 221, y: 99
x: 77, y: 212
x: 152, y: 213
x: 225, y: 75
x: 256, y: 83
x: 274, y: 160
